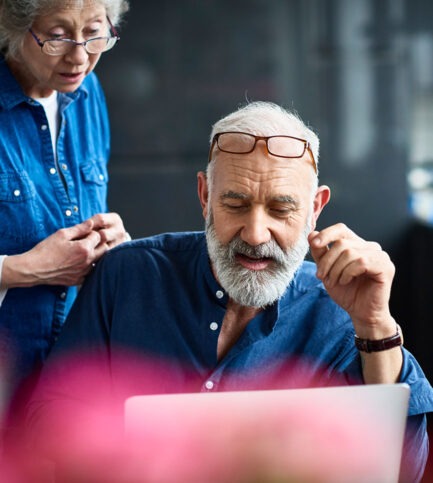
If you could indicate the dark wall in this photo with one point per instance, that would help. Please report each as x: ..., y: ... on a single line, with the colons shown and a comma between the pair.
x: 344, y: 65
x: 181, y: 65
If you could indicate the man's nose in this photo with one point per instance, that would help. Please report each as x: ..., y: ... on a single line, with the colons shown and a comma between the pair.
x: 256, y: 230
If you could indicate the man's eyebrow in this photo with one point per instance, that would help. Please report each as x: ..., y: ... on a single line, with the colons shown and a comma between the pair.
x: 234, y: 195
x: 286, y: 199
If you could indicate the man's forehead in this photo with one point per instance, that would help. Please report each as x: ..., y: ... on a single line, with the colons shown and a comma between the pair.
x: 258, y: 165
x: 264, y: 176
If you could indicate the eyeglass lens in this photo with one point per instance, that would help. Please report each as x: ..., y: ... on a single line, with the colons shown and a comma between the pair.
x: 277, y: 145
x: 92, y: 46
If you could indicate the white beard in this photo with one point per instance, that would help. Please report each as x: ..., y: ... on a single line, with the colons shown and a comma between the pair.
x: 254, y: 288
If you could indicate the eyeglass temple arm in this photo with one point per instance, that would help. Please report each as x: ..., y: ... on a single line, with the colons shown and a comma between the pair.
x: 113, y: 28
x: 214, y: 140
x: 312, y: 157
x: 38, y: 40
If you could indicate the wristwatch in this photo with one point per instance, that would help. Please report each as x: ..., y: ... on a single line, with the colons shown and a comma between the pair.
x: 367, y: 345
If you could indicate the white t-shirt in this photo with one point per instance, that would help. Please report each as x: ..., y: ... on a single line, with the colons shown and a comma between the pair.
x: 51, y: 106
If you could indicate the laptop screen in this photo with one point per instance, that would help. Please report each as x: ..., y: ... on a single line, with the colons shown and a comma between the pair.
x: 335, y: 434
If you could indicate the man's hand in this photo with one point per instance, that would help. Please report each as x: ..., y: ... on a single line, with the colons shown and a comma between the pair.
x: 358, y: 276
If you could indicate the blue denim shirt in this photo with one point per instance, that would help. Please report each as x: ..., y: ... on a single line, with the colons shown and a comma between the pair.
x: 38, y: 196
x: 157, y: 297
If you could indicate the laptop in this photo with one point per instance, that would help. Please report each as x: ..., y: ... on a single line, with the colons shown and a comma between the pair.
x: 350, y: 434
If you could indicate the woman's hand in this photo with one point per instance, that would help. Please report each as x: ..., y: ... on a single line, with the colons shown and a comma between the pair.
x: 66, y: 256
x: 110, y: 228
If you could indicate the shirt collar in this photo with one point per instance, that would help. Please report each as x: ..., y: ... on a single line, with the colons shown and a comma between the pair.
x: 12, y: 94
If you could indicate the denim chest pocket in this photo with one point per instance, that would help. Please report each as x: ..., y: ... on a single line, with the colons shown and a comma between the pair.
x: 16, y: 187
x: 20, y: 216
x: 95, y: 172
x: 95, y: 179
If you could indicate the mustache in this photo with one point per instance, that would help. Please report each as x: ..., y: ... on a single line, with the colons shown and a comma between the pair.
x: 269, y: 249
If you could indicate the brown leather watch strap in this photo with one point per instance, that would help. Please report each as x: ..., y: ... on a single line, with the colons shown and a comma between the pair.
x: 367, y: 345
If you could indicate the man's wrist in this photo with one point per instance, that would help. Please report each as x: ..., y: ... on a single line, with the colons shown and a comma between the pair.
x: 378, y: 345
x: 380, y: 328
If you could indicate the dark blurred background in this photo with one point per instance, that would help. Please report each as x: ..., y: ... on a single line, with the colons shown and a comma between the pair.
x: 360, y: 72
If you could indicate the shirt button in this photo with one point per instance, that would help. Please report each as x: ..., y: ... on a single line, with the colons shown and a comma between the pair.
x: 64, y: 167
x: 44, y: 127
x: 219, y: 294
x: 213, y: 326
x: 63, y: 295
x: 101, y: 177
x: 68, y: 212
x: 75, y: 209
x: 17, y: 192
x: 52, y: 170
x: 209, y: 385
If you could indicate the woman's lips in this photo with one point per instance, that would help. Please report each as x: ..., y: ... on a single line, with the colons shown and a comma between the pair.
x: 253, y: 263
x: 71, y: 77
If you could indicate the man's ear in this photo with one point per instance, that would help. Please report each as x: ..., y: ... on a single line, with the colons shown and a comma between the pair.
x: 203, y: 192
x: 321, y: 199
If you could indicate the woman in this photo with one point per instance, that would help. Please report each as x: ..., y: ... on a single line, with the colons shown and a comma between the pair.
x: 54, y: 148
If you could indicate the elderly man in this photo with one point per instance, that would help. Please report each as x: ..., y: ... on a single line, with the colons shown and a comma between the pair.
x: 230, y: 308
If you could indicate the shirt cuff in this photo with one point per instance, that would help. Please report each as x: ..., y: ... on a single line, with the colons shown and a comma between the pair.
x: 2, y: 290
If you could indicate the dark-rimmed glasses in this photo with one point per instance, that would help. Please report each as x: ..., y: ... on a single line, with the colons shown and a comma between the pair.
x: 95, y: 45
x: 243, y: 143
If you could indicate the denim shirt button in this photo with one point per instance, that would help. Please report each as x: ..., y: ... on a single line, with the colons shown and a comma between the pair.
x: 63, y: 295
x: 68, y: 212
x: 53, y: 171
x: 44, y: 127
x: 213, y: 326
x: 219, y: 294
x: 17, y: 193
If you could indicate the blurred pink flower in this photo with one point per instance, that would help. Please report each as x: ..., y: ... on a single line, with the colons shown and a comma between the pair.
x: 82, y: 437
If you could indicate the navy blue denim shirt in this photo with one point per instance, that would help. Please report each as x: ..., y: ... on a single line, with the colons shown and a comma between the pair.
x: 38, y: 196
x: 157, y: 297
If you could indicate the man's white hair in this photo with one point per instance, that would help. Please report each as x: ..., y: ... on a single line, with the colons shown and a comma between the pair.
x: 265, y: 119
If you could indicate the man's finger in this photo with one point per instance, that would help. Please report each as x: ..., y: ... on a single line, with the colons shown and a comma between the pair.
x: 316, y: 248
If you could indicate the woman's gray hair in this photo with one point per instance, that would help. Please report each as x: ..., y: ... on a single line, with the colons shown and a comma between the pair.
x: 265, y: 119
x: 17, y: 16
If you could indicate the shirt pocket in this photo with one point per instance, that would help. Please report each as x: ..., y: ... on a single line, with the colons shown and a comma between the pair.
x: 20, y: 216
x: 94, y: 176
